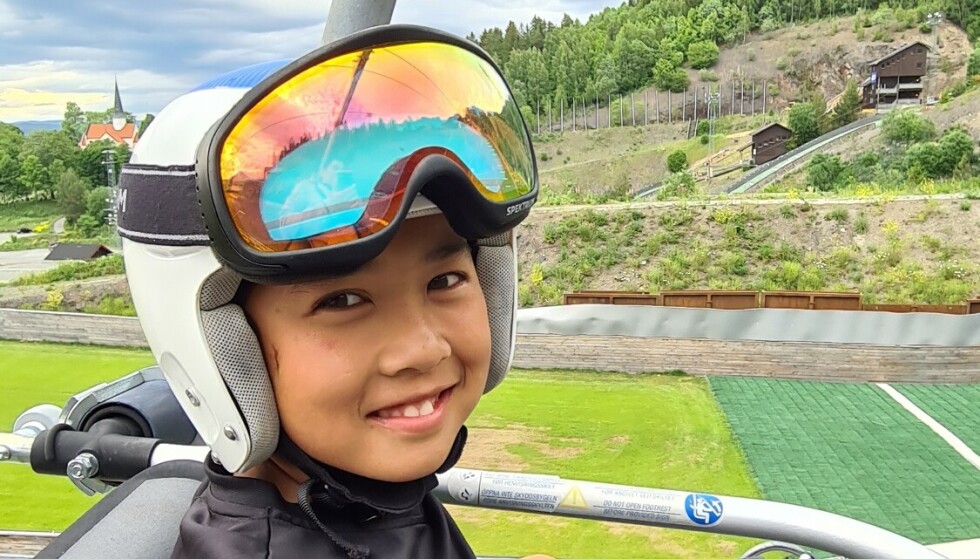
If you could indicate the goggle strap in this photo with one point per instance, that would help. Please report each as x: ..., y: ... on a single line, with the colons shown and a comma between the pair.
x: 158, y: 205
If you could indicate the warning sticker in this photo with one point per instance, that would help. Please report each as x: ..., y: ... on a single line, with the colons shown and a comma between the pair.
x: 574, y: 499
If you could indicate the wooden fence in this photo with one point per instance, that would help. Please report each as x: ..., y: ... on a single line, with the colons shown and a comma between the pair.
x: 734, y: 300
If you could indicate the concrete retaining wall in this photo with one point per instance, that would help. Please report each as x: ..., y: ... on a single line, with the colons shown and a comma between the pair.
x: 40, y: 326
x: 797, y: 360
x: 782, y: 359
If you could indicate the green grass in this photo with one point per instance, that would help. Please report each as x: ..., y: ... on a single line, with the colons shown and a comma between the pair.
x: 852, y: 450
x: 651, y: 430
x: 658, y: 431
x: 106, y: 266
x: 15, y: 215
x: 31, y: 374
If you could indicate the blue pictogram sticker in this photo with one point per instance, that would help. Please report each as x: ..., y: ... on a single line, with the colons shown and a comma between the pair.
x: 704, y: 510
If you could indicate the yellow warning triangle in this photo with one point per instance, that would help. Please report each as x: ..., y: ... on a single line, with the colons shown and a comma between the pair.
x: 574, y: 499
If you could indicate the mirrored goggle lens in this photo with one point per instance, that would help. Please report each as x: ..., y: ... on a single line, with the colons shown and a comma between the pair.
x: 324, y: 158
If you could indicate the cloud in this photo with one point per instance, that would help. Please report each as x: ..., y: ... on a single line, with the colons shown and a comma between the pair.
x: 56, y: 51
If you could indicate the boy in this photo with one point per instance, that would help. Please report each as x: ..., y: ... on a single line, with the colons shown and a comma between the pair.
x: 322, y: 259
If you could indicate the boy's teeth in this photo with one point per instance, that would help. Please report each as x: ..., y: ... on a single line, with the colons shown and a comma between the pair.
x: 426, y: 407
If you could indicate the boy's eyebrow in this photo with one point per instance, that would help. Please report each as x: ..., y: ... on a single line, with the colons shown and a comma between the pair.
x: 441, y: 252
x: 447, y: 250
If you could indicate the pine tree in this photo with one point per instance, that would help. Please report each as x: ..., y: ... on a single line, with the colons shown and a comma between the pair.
x: 847, y: 108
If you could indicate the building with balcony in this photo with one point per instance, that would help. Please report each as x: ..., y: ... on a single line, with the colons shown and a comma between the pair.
x: 896, y: 78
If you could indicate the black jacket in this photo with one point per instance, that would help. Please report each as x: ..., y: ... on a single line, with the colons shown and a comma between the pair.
x: 245, y: 518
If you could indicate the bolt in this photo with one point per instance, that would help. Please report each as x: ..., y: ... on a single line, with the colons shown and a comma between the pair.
x: 192, y: 397
x: 230, y: 433
x: 83, y: 466
x: 4, y: 453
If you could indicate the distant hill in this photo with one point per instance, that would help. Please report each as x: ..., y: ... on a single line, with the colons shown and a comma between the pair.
x: 28, y: 126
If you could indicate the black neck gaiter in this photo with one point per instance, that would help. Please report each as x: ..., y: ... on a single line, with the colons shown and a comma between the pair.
x: 334, y: 493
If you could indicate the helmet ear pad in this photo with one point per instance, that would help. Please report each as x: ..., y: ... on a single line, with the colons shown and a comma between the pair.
x: 238, y: 356
x: 496, y: 268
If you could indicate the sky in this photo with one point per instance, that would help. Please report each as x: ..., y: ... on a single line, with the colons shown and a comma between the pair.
x: 55, y: 51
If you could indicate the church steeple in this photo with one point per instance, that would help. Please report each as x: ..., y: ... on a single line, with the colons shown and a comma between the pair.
x: 118, y: 114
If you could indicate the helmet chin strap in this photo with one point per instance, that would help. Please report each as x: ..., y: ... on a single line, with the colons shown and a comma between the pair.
x: 346, y: 488
x: 334, y: 494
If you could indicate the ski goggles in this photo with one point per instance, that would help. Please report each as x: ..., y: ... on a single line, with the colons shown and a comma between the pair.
x: 326, y: 155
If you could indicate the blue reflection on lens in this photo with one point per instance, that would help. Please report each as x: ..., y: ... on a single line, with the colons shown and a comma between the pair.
x: 325, y: 183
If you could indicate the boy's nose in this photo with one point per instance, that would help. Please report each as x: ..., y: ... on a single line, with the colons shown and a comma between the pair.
x: 414, y: 343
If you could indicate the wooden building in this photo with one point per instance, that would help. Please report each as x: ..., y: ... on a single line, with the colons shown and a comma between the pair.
x: 896, y: 78
x: 769, y: 142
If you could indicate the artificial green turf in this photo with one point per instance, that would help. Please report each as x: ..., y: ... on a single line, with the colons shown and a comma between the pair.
x: 852, y: 450
x: 31, y: 374
x: 653, y: 431
x: 955, y: 406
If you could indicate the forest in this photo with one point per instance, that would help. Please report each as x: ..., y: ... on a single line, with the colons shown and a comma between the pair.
x: 645, y: 43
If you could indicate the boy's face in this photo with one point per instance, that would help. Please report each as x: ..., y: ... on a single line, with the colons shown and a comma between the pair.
x: 375, y: 372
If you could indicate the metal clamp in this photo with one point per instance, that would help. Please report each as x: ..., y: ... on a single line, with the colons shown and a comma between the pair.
x: 81, y: 471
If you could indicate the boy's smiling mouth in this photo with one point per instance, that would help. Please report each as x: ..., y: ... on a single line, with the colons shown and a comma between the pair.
x: 419, y: 413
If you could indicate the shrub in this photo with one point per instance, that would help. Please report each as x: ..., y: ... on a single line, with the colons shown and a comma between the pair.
x: 677, y: 161
x: 861, y: 224
x: 702, y: 54
x: 706, y: 75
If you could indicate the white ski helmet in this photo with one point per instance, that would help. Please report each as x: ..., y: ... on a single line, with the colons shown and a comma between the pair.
x: 194, y: 222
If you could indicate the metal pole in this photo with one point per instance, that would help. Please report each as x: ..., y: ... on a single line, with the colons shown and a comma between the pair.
x: 573, y: 113
x: 551, y: 115
x: 741, y: 97
x: 609, y: 110
x: 753, y: 96
x: 670, y: 109
x: 561, y: 115
x: 695, y: 108
x: 596, y: 111
x: 347, y: 17
x: 658, y: 106
x: 765, y: 94
x: 538, y: 118
x: 732, y: 111
x: 632, y: 109
x: 646, y: 107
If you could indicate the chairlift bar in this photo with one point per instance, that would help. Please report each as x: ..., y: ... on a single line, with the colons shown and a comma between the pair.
x: 347, y: 17
x: 547, y: 494
x: 718, y: 514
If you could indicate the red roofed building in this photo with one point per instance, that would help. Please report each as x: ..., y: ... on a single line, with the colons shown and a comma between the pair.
x: 118, y: 131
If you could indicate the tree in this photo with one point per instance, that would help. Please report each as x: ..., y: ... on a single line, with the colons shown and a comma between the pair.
x: 72, y: 196
x: 824, y: 171
x: 667, y: 76
x: 10, y: 186
x: 33, y: 176
x: 49, y: 145
x: 803, y: 121
x: 973, y: 66
x: 907, y: 127
x: 702, y: 54
x: 955, y: 146
x: 74, y: 123
x: 847, y: 108
x: 144, y: 124
x: 11, y: 140
x: 677, y: 161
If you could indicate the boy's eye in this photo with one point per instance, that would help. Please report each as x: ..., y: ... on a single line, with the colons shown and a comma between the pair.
x: 340, y: 301
x: 445, y: 281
